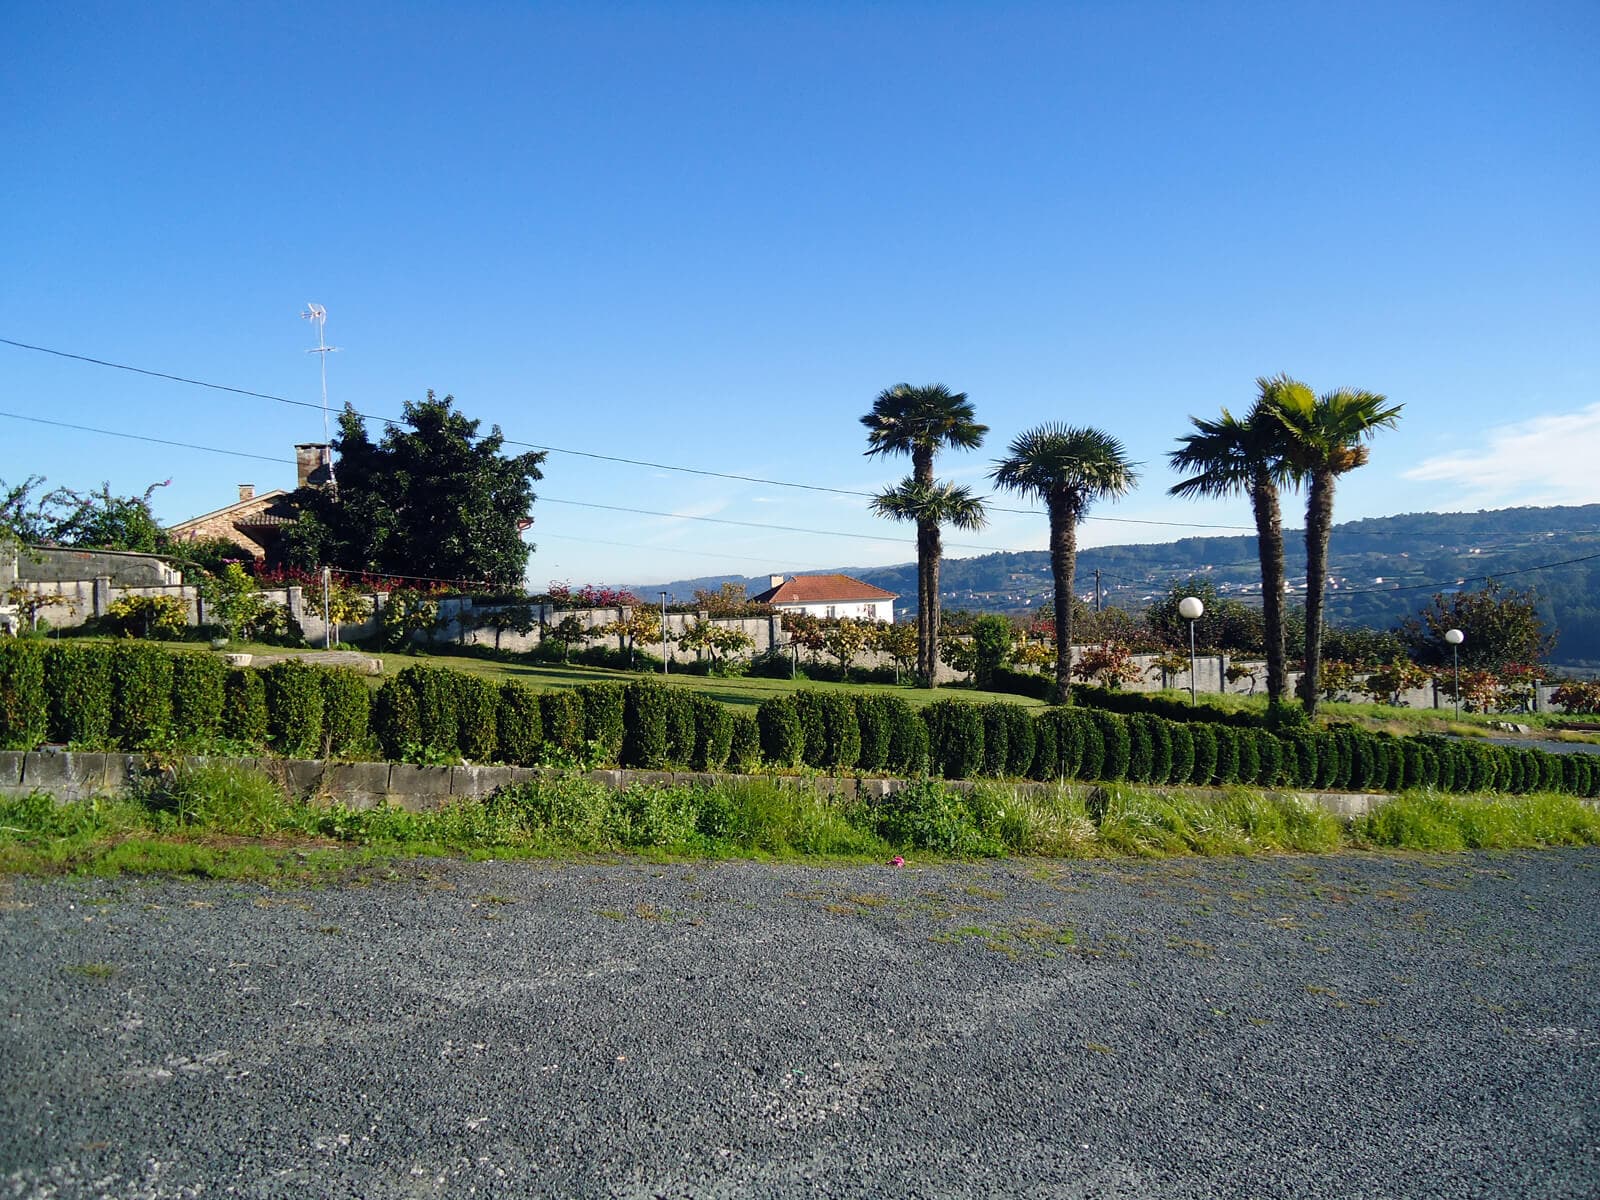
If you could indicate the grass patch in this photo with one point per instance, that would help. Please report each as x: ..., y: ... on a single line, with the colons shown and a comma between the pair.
x: 1440, y: 822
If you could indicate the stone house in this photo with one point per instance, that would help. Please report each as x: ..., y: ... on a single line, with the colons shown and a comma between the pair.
x: 257, y: 520
x: 829, y: 596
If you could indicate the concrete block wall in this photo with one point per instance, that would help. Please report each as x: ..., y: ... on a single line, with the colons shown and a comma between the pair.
x: 71, y: 776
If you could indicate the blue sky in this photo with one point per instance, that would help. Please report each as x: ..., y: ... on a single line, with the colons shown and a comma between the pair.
x: 707, y: 235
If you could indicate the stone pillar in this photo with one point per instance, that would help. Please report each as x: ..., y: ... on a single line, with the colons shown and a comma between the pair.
x: 296, y: 604
x: 102, y: 595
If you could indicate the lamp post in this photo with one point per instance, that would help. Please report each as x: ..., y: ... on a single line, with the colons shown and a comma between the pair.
x: 1190, y: 609
x: 1455, y: 637
x: 663, y: 633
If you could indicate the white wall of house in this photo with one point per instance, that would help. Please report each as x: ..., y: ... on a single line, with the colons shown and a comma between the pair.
x: 855, y: 610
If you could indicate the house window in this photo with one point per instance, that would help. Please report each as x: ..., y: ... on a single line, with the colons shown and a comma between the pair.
x: 830, y: 612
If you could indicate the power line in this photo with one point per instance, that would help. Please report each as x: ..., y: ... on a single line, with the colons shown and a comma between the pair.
x: 590, y: 454
x: 139, y: 437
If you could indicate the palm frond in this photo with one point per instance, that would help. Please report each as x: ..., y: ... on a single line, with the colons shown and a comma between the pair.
x: 943, y: 504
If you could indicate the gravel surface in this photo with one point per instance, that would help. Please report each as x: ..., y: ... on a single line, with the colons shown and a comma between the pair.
x: 1343, y: 1026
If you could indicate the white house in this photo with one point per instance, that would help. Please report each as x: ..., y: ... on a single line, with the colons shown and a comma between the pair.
x: 829, y: 596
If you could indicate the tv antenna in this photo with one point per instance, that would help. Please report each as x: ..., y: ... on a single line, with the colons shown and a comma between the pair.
x: 318, y: 316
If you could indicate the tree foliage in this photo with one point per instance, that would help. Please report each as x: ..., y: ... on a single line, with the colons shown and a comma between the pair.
x: 1502, y: 627
x: 432, y: 498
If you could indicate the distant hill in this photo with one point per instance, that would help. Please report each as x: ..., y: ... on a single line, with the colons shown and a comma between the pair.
x: 1382, y: 570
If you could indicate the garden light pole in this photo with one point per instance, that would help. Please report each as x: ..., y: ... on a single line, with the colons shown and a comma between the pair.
x: 1455, y: 637
x: 1190, y: 608
x: 663, y: 633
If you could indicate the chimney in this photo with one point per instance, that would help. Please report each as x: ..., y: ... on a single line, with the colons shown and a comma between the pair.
x: 247, y: 491
x: 312, y: 461
x: 774, y: 581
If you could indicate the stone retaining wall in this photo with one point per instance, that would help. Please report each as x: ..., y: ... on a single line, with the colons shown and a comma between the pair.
x: 75, y: 775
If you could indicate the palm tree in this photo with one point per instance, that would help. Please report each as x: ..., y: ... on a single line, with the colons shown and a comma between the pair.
x: 918, y: 421
x: 930, y: 506
x: 1323, y: 439
x: 1234, y: 455
x: 1068, y: 468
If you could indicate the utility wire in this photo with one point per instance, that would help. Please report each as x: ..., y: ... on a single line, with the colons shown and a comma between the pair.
x: 633, y: 462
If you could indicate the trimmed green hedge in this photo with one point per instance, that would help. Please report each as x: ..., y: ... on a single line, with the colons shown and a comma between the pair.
x: 129, y: 694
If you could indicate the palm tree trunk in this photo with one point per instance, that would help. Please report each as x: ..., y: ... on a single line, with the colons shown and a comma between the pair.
x: 1319, y: 525
x: 1063, y: 565
x: 930, y: 604
x: 928, y: 551
x: 1269, y: 545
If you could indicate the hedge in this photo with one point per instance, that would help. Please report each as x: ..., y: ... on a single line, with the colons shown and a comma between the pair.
x: 78, y: 681
x: 128, y: 694
x: 294, y: 708
x: 197, y: 685
x: 244, y: 709
x: 24, y: 707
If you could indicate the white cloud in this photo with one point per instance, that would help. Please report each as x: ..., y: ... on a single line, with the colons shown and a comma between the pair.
x: 1543, y: 460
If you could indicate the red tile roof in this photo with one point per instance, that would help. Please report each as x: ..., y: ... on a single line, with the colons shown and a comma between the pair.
x: 822, y: 589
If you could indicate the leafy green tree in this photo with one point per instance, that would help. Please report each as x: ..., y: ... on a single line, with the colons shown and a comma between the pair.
x: 95, y: 520
x: 920, y: 421
x: 1068, y: 468
x: 1234, y: 455
x: 929, y: 506
x: 1502, y: 627
x: 992, y: 637
x: 432, y: 498
x: 567, y: 633
x: 1325, y: 437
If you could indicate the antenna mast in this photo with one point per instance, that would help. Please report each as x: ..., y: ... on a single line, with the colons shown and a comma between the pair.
x: 318, y: 316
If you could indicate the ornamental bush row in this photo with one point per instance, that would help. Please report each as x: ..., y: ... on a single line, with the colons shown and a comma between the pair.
x: 135, y: 694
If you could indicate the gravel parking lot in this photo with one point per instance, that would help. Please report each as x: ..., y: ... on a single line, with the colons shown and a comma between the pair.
x: 1343, y: 1026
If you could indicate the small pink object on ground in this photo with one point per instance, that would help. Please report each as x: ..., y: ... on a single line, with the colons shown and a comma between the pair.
x: 897, y: 861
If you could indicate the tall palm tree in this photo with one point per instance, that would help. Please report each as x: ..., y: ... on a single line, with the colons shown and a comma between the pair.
x: 919, y: 421
x: 1068, y: 468
x: 930, y: 506
x: 1324, y: 438
x: 1246, y: 454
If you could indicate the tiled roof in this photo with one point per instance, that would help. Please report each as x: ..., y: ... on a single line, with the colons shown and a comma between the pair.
x: 821, y: 589
x: 241, y: 510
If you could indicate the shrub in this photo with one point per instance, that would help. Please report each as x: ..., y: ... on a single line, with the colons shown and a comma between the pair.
x: 1269, y: 756
x: 519, y: 725
x: 996, y: 739
x: 1046, y: 753
x: 197, y: 683
x: 908, y: 739
x: 876, y: 731
x: 294, y: 709
x: 644, y: 742
x: 1249, y: 756
x: 1021, y: 683
x: 1181, y: 739
x: 395, y: 718
x: 713, y: 734
x: 955, y: 738
x: 141, y: 676
x: 783, y: 739
x: 1019, y: 740
x: 438, y: 709
x: 1344, y: 758
x: 745, y: 751
x: 346, y: 713
x: 813, y: 728
x: 842, y: 729
x: 1299, y: 757
x: 162, y: 617
x: 244, y: 708
x: 1204, y: 738
x: 1226, y: 770
x: 604, y: 708
x: 476, y: 702
x: 563, y: 721
x: 1087, y: 746
x: 78, y: 680
x: 24, y: 707
x: 926, y: 815
x: 682, y: 730
x: 1117, y: 743
x: 1141, y: 746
